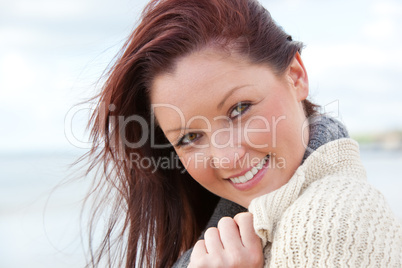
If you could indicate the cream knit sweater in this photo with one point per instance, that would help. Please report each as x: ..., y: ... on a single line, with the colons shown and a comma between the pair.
x: 327, y: 215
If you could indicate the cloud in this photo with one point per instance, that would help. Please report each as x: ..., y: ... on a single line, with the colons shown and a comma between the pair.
x: 381, y: 28
x: 387, y: 8
x: 386, y: 21
x: 324, y: 58
x: 45, y: 9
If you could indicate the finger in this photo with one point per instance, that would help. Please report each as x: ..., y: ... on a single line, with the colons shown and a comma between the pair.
x: 199, y: 250
x: 229, y: 233
x: 247, y: 233
x: 213, y: 242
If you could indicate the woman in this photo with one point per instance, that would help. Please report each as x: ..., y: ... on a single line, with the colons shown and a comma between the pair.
x: 209, y: 100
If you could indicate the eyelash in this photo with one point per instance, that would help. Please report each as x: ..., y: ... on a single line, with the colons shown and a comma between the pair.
x: 181, y: 142
x: 239, y: 104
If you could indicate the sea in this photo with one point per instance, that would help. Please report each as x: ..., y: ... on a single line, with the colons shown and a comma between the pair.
x: 41, y: 197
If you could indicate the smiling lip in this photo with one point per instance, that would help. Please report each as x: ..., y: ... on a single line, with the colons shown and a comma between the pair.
x: 249, y: 179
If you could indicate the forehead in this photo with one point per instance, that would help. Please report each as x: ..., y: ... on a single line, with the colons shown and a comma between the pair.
x: 197, y: 80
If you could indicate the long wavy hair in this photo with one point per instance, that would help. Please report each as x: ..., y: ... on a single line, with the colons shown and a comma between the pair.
x: 154, y: 213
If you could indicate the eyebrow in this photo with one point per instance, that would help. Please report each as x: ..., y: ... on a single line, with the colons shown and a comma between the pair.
x: 220, y: 105
x: 230, y: 93
x: 175, y: 129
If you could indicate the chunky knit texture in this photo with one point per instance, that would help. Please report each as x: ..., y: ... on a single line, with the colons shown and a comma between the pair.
x: 327, y: 215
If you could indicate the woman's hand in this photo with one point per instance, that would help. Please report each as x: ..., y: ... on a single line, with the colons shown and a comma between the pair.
x: 233, y: 244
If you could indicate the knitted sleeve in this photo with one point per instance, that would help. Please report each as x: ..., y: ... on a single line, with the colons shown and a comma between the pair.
x: 336, y: 222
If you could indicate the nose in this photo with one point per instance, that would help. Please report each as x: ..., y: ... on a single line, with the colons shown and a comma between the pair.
x: 226, y: 152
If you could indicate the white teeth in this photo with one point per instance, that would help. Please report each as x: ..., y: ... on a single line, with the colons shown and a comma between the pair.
x: 259, y: 166
x: 250, y: 174
x: 242, y: 179
x: 254, y: 170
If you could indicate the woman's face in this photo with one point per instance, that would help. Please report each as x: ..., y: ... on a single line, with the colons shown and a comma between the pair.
x: 236, y: 126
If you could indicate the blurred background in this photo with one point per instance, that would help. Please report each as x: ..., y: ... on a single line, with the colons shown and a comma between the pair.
x: 53, y: 53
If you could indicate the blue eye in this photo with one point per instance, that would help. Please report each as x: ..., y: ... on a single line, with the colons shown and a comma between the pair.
x: 187, y: 139
x: 239, y: 109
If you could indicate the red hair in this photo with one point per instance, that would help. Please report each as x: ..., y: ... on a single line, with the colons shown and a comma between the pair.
x: 165, y: 211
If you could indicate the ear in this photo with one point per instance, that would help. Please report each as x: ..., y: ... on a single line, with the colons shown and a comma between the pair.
x: 298, y: 77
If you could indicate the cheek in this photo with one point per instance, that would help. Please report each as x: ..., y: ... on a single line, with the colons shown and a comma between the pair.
x: 257, y: 132
x: 198, y: 166
x: 269, y: 126
x: 260, y: 131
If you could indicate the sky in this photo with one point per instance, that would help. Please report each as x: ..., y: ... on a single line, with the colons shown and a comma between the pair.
x: 53, y: 53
